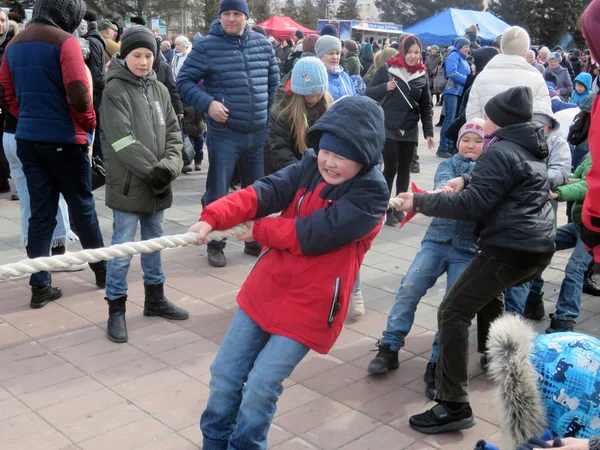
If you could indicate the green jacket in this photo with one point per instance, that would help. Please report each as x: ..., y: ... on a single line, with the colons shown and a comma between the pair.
x: 576, y: 190
x: 140, y: 132
x: 352, y: 63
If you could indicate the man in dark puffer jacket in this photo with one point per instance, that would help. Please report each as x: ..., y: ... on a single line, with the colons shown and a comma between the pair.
x: 508, y: 197
x: 240, y: 74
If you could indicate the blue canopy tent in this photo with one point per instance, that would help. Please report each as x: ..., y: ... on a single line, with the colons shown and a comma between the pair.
x: 442, y: 28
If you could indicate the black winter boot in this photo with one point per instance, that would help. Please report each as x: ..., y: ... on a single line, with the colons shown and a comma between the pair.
x: 429, y: 378
x: 116, y: 328
x: 156, y: 304
x: 589, y: 285
x: 390, y: 218
x: 534, y: 306
x: 560, y: 325
x: 386, y: 359
x: 41, y: 296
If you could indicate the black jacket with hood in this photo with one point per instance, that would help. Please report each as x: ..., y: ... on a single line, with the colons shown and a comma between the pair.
x: 508, y: 197
x: 164, y: 75
x: 96, y: 62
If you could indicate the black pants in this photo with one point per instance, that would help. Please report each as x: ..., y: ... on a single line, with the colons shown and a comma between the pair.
x: 397, y: 157
x: 53, y: 169
x: 477, y: 292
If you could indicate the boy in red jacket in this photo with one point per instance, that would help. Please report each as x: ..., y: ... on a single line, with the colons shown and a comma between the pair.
x: 590, y: 216
x: 296, y: 298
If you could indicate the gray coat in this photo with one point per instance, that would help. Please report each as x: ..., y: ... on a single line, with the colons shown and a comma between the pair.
x: 565, y: 84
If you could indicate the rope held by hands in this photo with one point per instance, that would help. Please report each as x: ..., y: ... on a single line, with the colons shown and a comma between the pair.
x: 29, y: 266
x: 59, y: 262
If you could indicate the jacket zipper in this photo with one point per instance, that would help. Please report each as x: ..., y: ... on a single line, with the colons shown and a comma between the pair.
x: 247, y: 77
x: 334, y: 300
x: 300, y: 203
x: 265, y: 251
x: 146, y: 90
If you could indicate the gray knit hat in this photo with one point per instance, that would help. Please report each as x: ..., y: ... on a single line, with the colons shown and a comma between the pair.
x: 137, y: 37
x: 327, y: 44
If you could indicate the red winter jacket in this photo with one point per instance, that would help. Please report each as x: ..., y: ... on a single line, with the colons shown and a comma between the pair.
x: 301, y: 283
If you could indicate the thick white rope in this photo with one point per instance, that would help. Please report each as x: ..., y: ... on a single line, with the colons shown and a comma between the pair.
x: 59, y: 262
x: 29, y: 266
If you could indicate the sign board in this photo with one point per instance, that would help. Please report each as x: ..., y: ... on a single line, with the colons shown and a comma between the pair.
x: 376, y: 26
x: 159, y: 26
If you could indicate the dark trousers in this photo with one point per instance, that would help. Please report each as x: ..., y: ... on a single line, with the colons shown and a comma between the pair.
x: 53, y: 169
x: 477, y: 292
x: 397, y: 158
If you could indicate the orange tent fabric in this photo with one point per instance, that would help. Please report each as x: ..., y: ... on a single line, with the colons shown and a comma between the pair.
x: 283, y: 27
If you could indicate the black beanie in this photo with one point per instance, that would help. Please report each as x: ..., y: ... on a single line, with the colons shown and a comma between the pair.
x: 137, y: 37
x: 90, y: 16
x: 138, y: 21
x: 510, y: 107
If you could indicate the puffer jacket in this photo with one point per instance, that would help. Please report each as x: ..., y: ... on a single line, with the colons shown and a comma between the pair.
x: 575, y: 192
x: 402, y: 118
x: 457, y: 232
x: 456, y: 70
x: 499, y: 75
x: 340, y: 84
x: 239, y: 71
x: 139, y: 133
x: 508, y: 197
x: 301, y: 284
x: 565, y: 83
x: 281, y: 149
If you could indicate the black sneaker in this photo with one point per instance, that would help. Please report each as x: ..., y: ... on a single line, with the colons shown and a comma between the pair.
x: 429, y: 378
x: 41, y: 296
x: 390, y: 219
x: 386, y: 360
x: 100, y: 278
x: 442, y: 153
x: 560, y: 325
x: 415, y: 167
x: 252, y: 248
x: 589, y: 285
x: 534, y: 306
x: 440, y: 419
x: 216, y: 257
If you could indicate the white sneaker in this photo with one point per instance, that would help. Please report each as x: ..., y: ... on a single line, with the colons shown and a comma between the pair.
x: 357, y: 304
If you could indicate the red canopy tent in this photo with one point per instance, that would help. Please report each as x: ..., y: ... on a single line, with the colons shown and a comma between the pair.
x: 283, y: 27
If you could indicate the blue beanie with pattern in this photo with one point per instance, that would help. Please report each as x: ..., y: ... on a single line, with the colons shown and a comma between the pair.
x: 309, y: 77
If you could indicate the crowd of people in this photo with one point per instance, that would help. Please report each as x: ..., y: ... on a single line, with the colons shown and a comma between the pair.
x: 320, y: 131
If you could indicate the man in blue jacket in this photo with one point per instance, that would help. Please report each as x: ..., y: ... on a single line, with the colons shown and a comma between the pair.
x: 239, y: 72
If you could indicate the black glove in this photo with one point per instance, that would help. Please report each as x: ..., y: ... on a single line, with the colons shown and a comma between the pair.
x: 159, y: 178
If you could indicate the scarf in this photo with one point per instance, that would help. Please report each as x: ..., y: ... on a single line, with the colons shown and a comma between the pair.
x: 399, y: 61
x: 336, y: 70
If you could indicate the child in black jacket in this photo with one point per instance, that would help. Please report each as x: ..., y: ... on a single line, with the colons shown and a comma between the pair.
x: 507, y: 195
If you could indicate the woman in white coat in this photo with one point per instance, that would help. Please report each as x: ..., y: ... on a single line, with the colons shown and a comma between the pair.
x: 183, y: 47
x: 507, y: 70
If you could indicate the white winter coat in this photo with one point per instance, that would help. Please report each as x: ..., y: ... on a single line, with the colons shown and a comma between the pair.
x: 178, y: 60
x: 502, y: 73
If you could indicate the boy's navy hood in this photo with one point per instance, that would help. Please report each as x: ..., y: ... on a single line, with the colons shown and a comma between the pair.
x: 359, y: 122
x: 585, y: 79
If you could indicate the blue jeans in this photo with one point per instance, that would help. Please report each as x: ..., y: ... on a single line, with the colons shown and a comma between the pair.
x: 228, y: 149
x: 246, y: 382
x: 432, y: 260
x: 124, y: 229
x: 450, y: 110
x: 569, y: 298
x: 62, y: 229
x: 515, y: 298
x: 51, y: 170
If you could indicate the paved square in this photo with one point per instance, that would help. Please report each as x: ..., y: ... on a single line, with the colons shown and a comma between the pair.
x: 63, y: 385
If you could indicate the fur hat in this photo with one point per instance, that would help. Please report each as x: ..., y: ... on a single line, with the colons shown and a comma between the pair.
x: 309, y: 77
x: 510, y: 107
x: 515, y: 41
x: 90, y: 16
x: 308, y: 43
x: 64, y: 14
x: 472, y: 126
x: 555, y: 56
x: 137, y: 37
x: 183, y: 41
x: 235, y: 5
x: 327, y: 44
x: 350, y: 46
x: 328, y: 30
